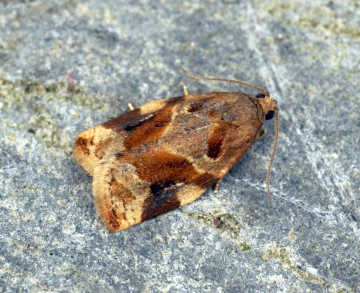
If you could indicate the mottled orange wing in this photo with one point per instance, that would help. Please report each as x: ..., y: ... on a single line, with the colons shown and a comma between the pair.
x: 166, y: 154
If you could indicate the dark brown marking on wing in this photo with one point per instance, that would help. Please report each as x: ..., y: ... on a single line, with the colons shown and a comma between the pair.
x: 114, y: 219
x: 164, y: 196
x: 132, y: 125
x: 167, y: 174
x: 167, y: 187
x: 195, y: 106
x: 216, y: 140
x: 154, y: 207
x: 81, y: 144
x: 126, y: 121
x: 133, y: 119
x: 150, y: 129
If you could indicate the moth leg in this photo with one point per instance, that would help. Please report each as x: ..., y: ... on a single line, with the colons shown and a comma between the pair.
x: 216, y: 188
x: 131, y: 107
x: 185, y: 89
x: 261, y: 134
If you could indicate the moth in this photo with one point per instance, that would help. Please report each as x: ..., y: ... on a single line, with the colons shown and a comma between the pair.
x: 168, y: 152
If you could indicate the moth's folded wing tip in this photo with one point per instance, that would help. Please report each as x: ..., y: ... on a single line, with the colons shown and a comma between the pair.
x: 118, y: 207
x: 90, y: 145
x: 82, y: 152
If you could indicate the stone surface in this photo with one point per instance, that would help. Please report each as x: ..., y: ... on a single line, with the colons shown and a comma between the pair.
x: 68, y: 65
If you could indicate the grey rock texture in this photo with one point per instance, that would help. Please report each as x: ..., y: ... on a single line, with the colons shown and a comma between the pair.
x: 66, y: 66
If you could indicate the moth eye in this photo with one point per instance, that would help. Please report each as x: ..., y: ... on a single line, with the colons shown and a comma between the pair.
x: 261, y: 96
x: 269, y: 115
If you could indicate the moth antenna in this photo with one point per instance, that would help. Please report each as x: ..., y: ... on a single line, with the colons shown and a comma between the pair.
x: 272, y: 154
x: 228, y: 80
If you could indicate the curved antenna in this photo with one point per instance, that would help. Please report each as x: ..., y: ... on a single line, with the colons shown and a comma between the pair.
x: 267, y: 180
x: 267, y: 95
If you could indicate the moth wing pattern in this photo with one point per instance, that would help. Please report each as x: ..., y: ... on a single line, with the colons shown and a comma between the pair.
x: 166, y: 153
x: 91, y: 144
x: 123, y: 199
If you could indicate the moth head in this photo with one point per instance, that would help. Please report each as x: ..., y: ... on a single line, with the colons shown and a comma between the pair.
x: 268, y: 105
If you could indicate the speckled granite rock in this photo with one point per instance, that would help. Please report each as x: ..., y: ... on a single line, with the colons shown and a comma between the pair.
x: 68, y: 65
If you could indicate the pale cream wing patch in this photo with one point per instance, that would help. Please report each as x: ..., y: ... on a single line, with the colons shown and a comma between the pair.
x: 90, y: 146
x: 119, y: 195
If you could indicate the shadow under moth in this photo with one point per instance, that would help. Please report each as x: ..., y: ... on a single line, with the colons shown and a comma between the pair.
x: 168, y: 152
